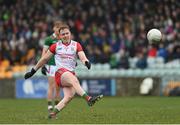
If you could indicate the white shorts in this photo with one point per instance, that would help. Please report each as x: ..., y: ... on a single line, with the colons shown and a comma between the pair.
x: 51, y: 70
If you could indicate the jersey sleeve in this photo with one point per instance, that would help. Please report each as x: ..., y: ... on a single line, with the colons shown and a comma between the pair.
x: 47, y: 42
x: 79, y: 47
x: 53, y: 48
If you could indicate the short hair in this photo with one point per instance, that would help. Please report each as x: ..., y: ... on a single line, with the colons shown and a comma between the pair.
x: 58, y: 24
x: 64, y: 26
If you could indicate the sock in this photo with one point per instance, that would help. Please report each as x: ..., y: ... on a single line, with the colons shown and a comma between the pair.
x: 50, y: 107
x: 56, y: 110
x: 86, y: 96
x: 56, y: 102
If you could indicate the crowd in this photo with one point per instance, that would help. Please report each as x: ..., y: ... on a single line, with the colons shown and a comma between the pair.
x: 110, y: 31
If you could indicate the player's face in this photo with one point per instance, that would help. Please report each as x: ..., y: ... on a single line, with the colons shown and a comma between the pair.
x: 65, y: 35
x: 56, y: 30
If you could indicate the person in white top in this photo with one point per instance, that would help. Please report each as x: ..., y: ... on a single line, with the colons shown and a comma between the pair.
x: 66, y: 52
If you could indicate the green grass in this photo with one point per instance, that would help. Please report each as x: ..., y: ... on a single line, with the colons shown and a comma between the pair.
x: 122, y: 110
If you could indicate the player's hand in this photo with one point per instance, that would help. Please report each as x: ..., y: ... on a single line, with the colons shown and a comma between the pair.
x: 43, y: 70
x: 29, y: 74
x: 88, y: 64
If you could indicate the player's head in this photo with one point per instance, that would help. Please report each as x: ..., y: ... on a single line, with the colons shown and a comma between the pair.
x: 64, y: 33
x: 56, y: 26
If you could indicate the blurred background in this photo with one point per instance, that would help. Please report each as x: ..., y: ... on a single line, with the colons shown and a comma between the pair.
x: 113, y: 35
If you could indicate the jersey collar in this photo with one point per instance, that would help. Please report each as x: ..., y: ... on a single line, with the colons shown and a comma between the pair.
x: 66, y: 44
x: 54, y: 35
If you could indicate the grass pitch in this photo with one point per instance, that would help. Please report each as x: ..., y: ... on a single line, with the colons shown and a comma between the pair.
x: 122, y: 110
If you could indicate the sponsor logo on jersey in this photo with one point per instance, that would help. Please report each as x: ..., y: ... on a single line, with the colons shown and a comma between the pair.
x: 59, y: 48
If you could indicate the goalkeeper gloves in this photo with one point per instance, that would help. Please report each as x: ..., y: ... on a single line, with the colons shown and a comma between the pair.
x: 29, y: 74
x: 88, y: 64
x: 43, y: 70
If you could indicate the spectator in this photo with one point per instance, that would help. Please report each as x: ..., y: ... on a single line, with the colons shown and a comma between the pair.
x: 142, y: 61
x: 162, y: 52
x: 104, y: 26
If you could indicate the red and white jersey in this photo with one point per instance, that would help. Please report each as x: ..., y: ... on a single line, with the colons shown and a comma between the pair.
x: 66, y: 55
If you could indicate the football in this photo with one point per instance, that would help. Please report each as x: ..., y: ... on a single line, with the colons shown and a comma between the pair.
x: 154, y: 35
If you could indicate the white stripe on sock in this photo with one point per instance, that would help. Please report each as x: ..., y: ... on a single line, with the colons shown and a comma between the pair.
x: 50, y: 107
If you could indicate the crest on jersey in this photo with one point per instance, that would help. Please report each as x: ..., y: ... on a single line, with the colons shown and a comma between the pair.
x: 73, y: 43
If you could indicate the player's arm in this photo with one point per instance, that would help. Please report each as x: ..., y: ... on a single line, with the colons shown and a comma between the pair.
x: 39, y: 64
x: 82, y: 56
x: 42, y: 61
x: 44, y: 51
x: 43, y: 69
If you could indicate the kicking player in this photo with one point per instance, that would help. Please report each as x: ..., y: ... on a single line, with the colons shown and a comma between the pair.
x: 65, y: 51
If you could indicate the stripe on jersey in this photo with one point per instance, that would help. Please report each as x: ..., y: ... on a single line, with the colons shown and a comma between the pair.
x: 53, y: 48
x: 79, y: 47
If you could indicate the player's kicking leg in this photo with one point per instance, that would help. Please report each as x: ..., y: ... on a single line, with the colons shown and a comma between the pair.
x: 73, y: 81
